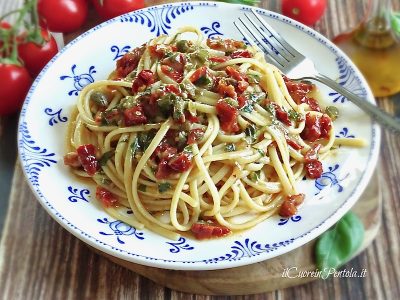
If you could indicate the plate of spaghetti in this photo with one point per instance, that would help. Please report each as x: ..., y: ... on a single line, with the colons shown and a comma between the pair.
x: 179, y: 146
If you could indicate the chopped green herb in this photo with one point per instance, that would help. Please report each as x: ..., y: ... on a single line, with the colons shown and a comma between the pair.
x: 145, y: 139
x: 332, y: 112
x: 230, y: 147
x: 127, y: 102
x: 261, y: 151
x: 142, y: 187
x: 255, y: 176
x: 105, y: 181
x: 165, y: 103
x: 202, y: 55
x: 164, y: 186
x: 257, y: 97
x: 135, y: 146
x: 99, y: 98
x: 252, y: 98
x: 105, y: 157
x: 253, y: 78
x: 187, y: 85
x: 270, y: 108
x: 110, y: 117
x: 294, y: 115
x: 205, y: 82
x: 182, y: 138
x: 182, y: 46
x: 250, y: 132
x: 188, y: 149
x: 232, y: 102
x: 248, y: 107
x: 179, y: 106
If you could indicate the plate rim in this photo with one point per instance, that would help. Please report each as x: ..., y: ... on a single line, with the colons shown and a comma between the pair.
x: 296, y: 242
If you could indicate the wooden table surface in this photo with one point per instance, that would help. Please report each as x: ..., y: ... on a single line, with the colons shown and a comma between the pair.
x: 47, y: 262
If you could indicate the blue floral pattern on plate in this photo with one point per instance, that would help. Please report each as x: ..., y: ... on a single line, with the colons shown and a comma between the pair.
x: 120, y: 229
x: 55, y: 117
x: 158, y: 19
x: 283, y: 221
x: 349, y: 80
x: 345, y: 133
x: 79, y: 80
x: 34, y: 158
x: 248, y: 249
x: 329, y: 178
x: 212, y: 31
x: 78, y: 194
x: 179, y: 245
x: 119, y: 52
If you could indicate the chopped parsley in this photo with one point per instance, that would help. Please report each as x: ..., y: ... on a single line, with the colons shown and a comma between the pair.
x: 106, y: 157
x: 261, y: 151
x: 230, y: 147
x: 294, y: 115
x: 250, y: 132
x: 255, y: 176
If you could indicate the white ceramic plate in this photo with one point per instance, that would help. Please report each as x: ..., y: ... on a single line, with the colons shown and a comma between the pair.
x: 92, y: 56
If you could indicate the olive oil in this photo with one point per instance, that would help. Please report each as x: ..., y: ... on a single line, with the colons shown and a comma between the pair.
x: 374, y: 49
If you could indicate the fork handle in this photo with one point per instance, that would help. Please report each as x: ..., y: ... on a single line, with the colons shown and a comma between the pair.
x: 375, y: 112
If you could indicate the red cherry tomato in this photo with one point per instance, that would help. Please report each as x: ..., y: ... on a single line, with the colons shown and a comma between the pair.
x: 5, y: 25
x: 87, y: 157
x: 307, y: 12
x: 34, y: 56
x: 113, y: 8
x: 15, y: 83
x: 62, y: 15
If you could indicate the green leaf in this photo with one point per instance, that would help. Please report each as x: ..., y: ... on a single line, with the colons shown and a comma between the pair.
x: 250, y: 132
x: 135, y: 146
x: 396, y: 22
x: 164, y: 186
x: 105, y: 157
x: 294, y: 115
x: 336, y: 246
x: 230, y: 147
x: 142, y: 187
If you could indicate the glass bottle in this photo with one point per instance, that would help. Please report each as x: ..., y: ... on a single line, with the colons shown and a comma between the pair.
x: 373, y: 47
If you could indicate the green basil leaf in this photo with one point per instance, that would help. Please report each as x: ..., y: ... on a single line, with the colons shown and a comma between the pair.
x: 105, y: 157
x: 337, y: 245
x: 396, y: 22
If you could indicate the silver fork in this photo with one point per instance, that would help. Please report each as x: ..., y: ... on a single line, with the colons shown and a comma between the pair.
x: 298, y: 67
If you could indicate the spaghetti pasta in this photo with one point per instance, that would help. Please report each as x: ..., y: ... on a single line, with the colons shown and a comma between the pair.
x: 198, y: 135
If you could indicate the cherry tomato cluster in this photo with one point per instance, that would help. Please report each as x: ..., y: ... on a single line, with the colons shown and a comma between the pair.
x: 26, y: 49
x: 69, y: 15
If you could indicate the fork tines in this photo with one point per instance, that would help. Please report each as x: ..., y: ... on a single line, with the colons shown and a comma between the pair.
x: 261, y: 35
